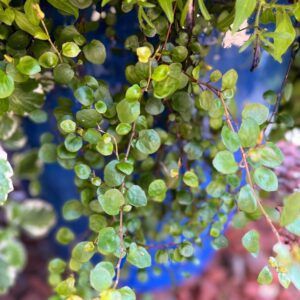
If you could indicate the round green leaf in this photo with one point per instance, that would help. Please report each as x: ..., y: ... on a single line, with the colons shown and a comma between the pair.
x: 100, y: 107
x: 154, y: 106
x: 72, y: 210
x: 127, y: 293
x: 265, y: 276
x: 160, y: 73
x: 133, y: 93
x: 48, y: 60
x: 47, y: 153
x: 28, y: 65
x: 112, y: 201
x: 68, y: 126
x: 88, y: 118
x: 270, y: 155
x: 83, y: 171
x: 7, y: 85
x: 70, y: 49
x: 63, y: 73
x: 128, y: 112
x: 246, y: 200
x: 266, y: 179
x: 191, y: 179
x: 108, y: 241
x: 95, y: 52
x: 84, y: 95
x: 83, y: 251
x: 157, y: 190
x: 123, y: 128
x: 112, y: 176
x: 225, y: 163
x: 248, y: 133
x: 100, y: 278
x: 230, y: 139
x: 251, y: 242
x: 139, y: 256
x: 136, y: 196
x: 73, y: 143
x: 148, y: 141
x: 257, y: 112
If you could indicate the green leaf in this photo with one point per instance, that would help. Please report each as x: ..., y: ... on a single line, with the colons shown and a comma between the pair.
x: 243, y: 10
x: 68, y: 126
x: 88, y: 118
x: 138, y: 256
x: 248, y: 133
x: 133, y: 93
x: 294, y: 227
x: 65, y: 6
x: 266, y: 179
x: 95, y: 52
x: 6, y: 173
x: 100, y: 278
x: 63, y: 73
x: 81, y: 4
x: 83, y: 251
x: 7, y: 16
x: 204, y: 10
x: 84, y: 95
x: 246, y: 200
x: 166, y: 87
x: 225, y: 163
x: 229, y: 79
x: 105, y: 148
x: 108, y: 241
x: 48, y: 60
x: 230, y: 139
x: 265, y: 276
x: 72, y: 210
x: 270, y: 155
x: 127, y: 293
x: 186, y: 249
x: 125, y: 167
x: 7, y: 85
x: 154, y: 106
x: 284, y: 280
x: 157, y: 190
x: 104, y: 2
x: 148, y: 141
x: 47, y: 153
x: 73, y: 143
x: 136, y: 196
x: 127, y: 111
x: 160, y: 73
x: 191, y: 179
x: 101, y: 107
x: 257, y: 112
x: 123, y: 128
x: 112, y: 176
x: 83, y: 171
x: 65, y: 236
x: 70, y: 49
x: 270, y: 97
x: 251, y: 242
x: 285, y: 34
x: 112, y: 201
x: 291, y: 209
x: 34, y: 30
x: 28, y: 65
x: 167, y: 7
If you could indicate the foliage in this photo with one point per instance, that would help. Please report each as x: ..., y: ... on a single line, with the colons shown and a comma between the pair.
x: 136, y: 154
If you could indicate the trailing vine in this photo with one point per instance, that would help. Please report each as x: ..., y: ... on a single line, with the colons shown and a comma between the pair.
x: 141, y: 156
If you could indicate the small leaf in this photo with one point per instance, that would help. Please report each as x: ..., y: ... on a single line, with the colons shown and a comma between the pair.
x: 83, y: 251
x: 127, y: 293
x: 100, y: 278
x: 291, y: 209
x: 83, y: 171
x: 70, y: 49
x: 230, y: 139
x: 257, y: 112
x: 127, y: 111
x: 28, y: 65
x: 108, y: 241
x: 68, y: 126
x: 266, y: 179
x: 123, y: 128
x: 191, y: 179
x: 204, y: 10
x: 248, y: 133
x: 160, y: 73
x: 138, y: 256
x: 265, y: 276
x: 143, y: 53
x: 133, y: 93
x: 95, y: 52
x: 112, y: 201
x: 148, y: 141
x: 157, y: 190
x: 63, y: 73
x: 136, y: 196
x: 48, y: 60
x: 84, y: 95
x: 112, y: 176
x: 246, y: 200
x: 7, y: 85
x: 243, y: 10
x: 284, y: 280
x: 65, y: 6
x: 251, y: 242
x: 225, y: 163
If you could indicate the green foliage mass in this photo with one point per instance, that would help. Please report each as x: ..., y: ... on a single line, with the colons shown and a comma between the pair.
x: 125, y: 165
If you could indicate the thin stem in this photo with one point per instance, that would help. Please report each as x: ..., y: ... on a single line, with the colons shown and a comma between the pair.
x: 130, y: 141
x: 113, y: 138
x: 219, y: 94
x: 122, y: 250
